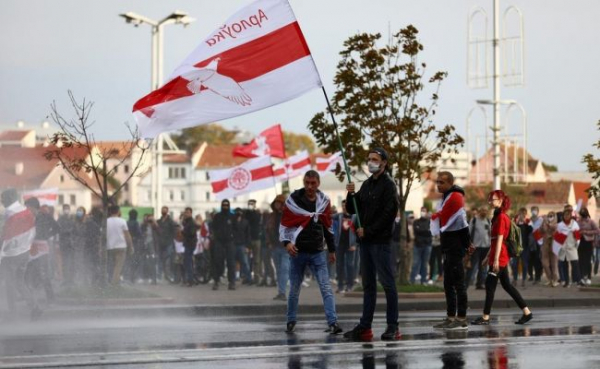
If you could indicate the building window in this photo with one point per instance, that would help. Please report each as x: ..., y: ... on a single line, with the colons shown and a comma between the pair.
x: 126, y: 168
x: 207, y: 176
x: 62, y: 178
x: 176, y: 173
x: 182, y: 195
x: 208, y: 196
x: 171, y: 195
x: 61, y: 199
x: 72, y: 200
x: 116, y: 169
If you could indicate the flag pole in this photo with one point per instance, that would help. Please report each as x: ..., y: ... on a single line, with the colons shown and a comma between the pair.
x: 339, y: 139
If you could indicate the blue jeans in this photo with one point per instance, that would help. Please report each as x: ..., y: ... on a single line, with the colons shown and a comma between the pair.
x: 188, y: 264
x: 420, y: 262
x: 282, y: 267
x: 345, y: 269
x: 241, y: 255
x: 318, y: 266
x: 376, y: 260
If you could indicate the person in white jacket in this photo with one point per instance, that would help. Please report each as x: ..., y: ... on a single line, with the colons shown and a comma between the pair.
x: 566, y: 241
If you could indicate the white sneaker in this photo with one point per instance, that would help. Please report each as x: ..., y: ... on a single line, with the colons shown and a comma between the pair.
x: 305, y: 284
x: 429, y: 282
x: 588, y: 282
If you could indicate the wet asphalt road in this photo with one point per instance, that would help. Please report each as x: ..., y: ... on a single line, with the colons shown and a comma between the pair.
x: 555, y: 339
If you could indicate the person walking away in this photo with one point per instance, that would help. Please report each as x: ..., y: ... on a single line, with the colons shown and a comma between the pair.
x: 38, y: 269
x: 376, y: 207
x: 66, y: 236
x: 241, y: 240
x: 305, y: 223
x: 345, y: 247
x: 18, y: 233
x: 280, y: 255
x: 480, y: 228
x: 223, y: 248
x: 566, y: 241
x: 498, y: 261
x: 118, y: 244
x: 535, y: 257
x: 190, y: 239
x: 549, y: 258
x: 589, y: 232
x: 167, y: 229
x: 450, y: 221
x: 422, y: 246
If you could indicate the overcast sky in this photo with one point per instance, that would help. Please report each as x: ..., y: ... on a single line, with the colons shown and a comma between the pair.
x: 49, y: 47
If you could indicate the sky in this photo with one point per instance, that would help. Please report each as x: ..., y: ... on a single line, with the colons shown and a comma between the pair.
x: 50, y: 47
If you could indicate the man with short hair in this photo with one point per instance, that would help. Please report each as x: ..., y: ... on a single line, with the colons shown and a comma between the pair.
x: 118, y: 243
x: 376, y: 207
x: 451, y: 223
x: 305, y: 223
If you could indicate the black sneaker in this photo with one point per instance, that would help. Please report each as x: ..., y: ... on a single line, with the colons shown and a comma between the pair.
x: 280, y: 297
x: 290, y: 326
x: 215, y: 287
x: 392, y: 333
x: 480, y: 321
x: 524, y: 319
x: 359, y: 333
x: 334, y: 329
x: 231, y: 286
x: 457, y: 325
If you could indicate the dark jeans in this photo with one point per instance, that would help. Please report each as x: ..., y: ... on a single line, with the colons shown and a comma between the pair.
x: 376, y: 260
x: 563, y: 265
x: 476, y: 268
x: 585, y: 251
x: 267, y: 259
x: 454, y: 286
x: 435, y: 262
x: 514, y: 264
x: 242, y: 258
x: 490, y: 289
x: 220, y: 254
x: 38, y: 273
x: 67, y: 254
x: 535, y: 265
x: 345, y: 269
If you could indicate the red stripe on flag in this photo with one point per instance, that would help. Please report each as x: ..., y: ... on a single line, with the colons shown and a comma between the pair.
x: 279, y: 172
x: 257, y: 174
x: 301, y: 164
x: 18, y: 224
x: 321, y: 167
x: 242, y: 63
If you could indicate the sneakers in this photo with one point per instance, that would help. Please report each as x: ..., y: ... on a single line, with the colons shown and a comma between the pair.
x: 443, y: 324
x: 581, y: 283
x: 588, y: 282
x: 215, y: 287
x: 392, y: 333
x: 555, y: 284
x: 334, y: 329
x: 280, y: 297
x: 480, y: 321
x: 290, y: 326
x: 524, y: 319
x: 359, y: 333
x: 231, y: 286
x: 457, y: 325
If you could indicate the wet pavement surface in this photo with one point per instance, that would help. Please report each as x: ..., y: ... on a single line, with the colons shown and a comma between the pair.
x: 554, y: 339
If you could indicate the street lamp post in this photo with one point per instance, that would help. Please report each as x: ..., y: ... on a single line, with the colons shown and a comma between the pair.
x: 177, y: 17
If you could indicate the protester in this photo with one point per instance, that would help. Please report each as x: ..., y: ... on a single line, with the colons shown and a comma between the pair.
x: 589, y: 232
x: 202, y: 253
x: 376, y: 206
x: 549, y: 258
x: 498, y: 260
x: 67, y: 245
x: 451, y: 221
x: 305, y: 222
x: 134, y: 262
x: 267, y: 252
x: 345, y: 247
x: 92, y: 249
x: 190, y: 239
x: 535, y: 258
x: 566, y: 240
x: 148, y: 248
x: 253, y: 216
x: 167, y: 229
x: 223, y: 248
x: 280, y: 255
x: 241, y: 240
x: 479, y: 228
x: 422, y: 246
x: 118, y: 243
x: 18, y: 233
x: 524, y: 224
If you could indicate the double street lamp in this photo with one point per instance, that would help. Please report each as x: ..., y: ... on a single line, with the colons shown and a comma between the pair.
x: 177, y: 17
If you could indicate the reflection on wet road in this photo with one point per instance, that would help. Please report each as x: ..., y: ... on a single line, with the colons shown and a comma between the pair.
x: 557, y: 338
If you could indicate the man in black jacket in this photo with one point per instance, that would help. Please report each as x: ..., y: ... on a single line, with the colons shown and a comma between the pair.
x: 241, y: 239
x: 190, y: 239
x: 377, y: 205
x: 222, y: 246
x: 253, y: 216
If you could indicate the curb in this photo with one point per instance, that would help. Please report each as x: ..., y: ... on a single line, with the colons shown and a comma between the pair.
x: 115, y: 302
x: 402, y: 295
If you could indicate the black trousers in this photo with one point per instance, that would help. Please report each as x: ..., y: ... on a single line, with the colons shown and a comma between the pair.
x: 585, y: 251
x: 491, y: 283
x: 435, y: 259
x: 454, y: 286
x: 476, y: 268
x: 223, y: 253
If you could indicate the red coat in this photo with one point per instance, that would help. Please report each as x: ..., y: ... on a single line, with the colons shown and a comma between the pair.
x: 500, y: 226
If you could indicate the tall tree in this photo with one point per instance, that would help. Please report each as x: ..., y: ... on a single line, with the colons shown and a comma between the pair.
x: 214, y: 134
x: 75, y: 148
x: 380, y: 101
x: 298, y: 142
x: 593, y: 167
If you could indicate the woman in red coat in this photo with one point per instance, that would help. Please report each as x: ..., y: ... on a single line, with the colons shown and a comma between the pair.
x: 498, y: 261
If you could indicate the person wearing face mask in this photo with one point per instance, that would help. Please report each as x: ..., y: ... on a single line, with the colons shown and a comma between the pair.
x: 222, y: 245
x: 422, y: 246
x: 66, y: 236
x: 376, y: 207
x: 565, y: 244
x: 549, y: 258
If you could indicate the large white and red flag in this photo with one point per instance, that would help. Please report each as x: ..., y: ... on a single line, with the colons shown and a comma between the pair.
x: 256, y: 59
x: 18, y: 232
x: 268, y: 142
x: 329, y: 164
x: 47, y: 196
x: 252, y: 175
x: 292, y: 167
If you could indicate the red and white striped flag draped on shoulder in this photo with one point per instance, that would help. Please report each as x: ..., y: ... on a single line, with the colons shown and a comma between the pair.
x: 257, y: 59
x: 18, y: 232
x: 295, y: 219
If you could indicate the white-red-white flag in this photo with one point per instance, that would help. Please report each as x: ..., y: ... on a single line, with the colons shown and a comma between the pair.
x: 258, y: 58
x: 252, y: 175
x: 293, y: 166
x: 47, y: 196
x: 18, y: 231
x: 326, y: 166
x: 268, y: 142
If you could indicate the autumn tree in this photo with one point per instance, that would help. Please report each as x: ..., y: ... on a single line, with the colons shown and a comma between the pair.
x: 383, y: 98
x: 75, y: 148
x: 593, y: 167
